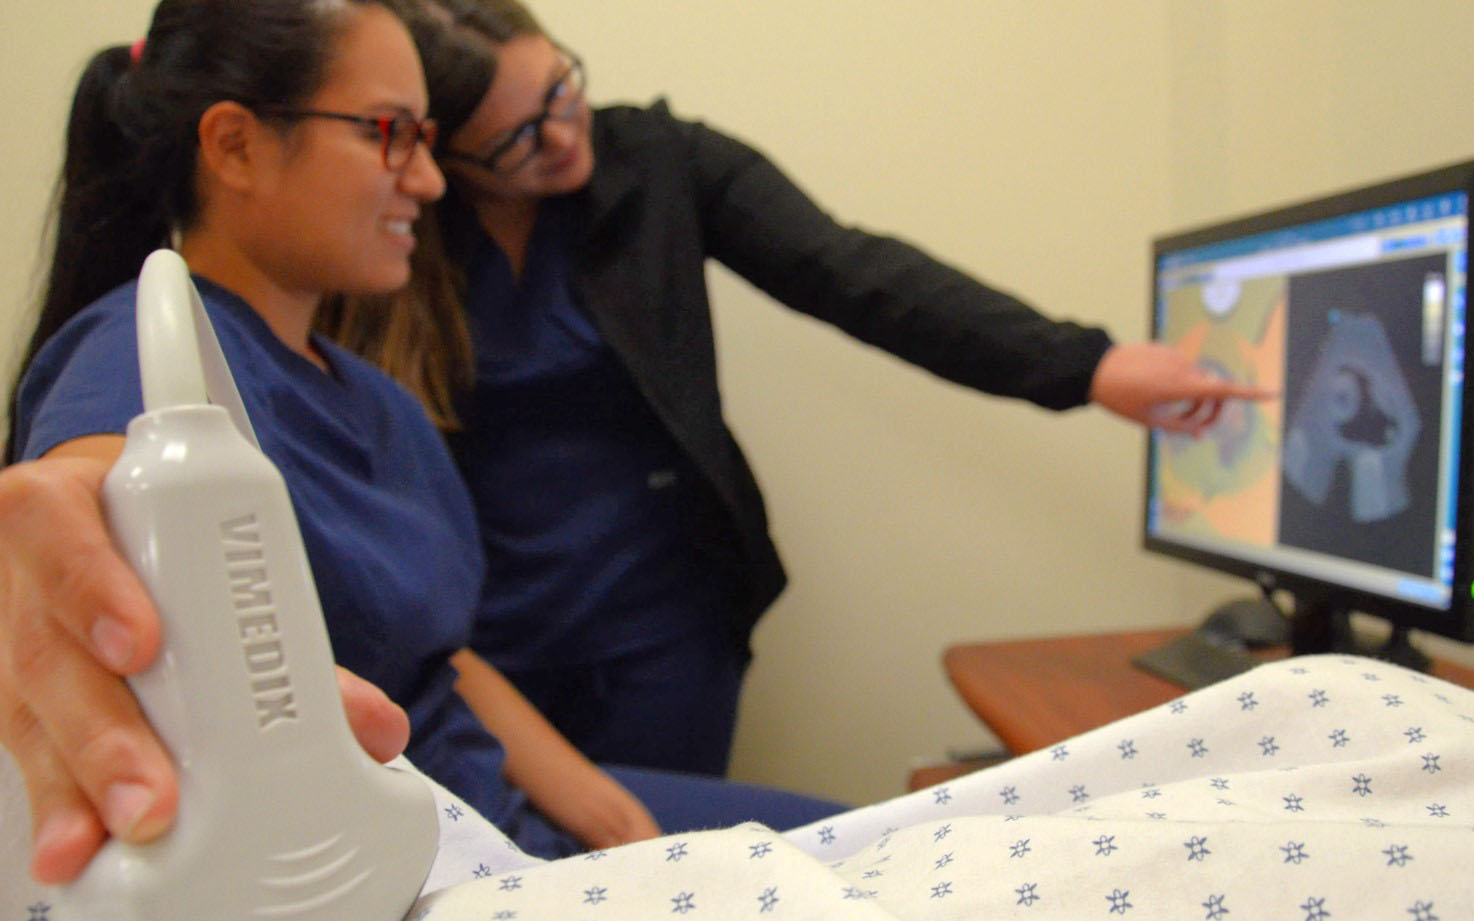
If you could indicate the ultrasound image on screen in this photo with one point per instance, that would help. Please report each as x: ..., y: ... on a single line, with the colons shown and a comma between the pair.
x: 1363, y: 399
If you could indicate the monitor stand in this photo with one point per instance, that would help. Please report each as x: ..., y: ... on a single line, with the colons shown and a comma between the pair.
x: 1320, y: 627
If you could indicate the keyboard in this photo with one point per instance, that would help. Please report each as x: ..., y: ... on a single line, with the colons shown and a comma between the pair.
x: 1194, y: 661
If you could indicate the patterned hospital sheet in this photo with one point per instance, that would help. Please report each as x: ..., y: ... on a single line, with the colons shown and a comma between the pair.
x: 1317, y: 788
x: 1306, y: 790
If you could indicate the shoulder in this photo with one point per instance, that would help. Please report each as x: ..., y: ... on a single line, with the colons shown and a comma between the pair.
x: 380, y: 389
x: 102, y: 336
x: 666, y: 156
x: 84, y: 379
x: 629, y: 130
x: 111, y: 316
x: 632, y: 124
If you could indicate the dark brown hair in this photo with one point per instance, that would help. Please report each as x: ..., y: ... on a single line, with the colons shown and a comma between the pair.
x: 128, y: 178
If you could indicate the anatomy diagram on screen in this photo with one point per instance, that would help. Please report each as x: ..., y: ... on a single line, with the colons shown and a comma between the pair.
x: 1221, y: 483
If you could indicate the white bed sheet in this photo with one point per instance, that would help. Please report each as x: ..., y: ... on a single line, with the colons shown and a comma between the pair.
x: 1318, y: 788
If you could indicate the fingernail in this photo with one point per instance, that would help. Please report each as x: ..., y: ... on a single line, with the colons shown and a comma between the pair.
x: 56, y: 846
x: 113, y: 643
x: 125, y: 807
x: 55, y: 833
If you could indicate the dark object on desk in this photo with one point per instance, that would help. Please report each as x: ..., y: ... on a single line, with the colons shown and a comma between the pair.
x: 1249, y: 623
x: 1219, y: 647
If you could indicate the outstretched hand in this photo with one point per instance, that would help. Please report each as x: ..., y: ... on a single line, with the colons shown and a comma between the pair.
x: 1157, y: 386
x: 74, y: 620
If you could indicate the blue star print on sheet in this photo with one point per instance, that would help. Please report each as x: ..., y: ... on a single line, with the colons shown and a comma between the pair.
x: 768, y: 900
x: 1315, y: 909
x: 1340, y: 799
x: 1197, y: 848
x: 1422, y: 911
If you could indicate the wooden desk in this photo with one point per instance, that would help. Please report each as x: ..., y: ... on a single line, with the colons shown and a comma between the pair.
x: 1034, y: 693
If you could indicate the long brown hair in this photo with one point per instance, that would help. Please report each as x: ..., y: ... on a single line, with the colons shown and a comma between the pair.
x: 419, y: 334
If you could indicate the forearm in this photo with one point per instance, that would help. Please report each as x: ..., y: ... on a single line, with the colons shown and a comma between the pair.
x: 563, y: 784
x: 538, y: 756
x: 882, y: 290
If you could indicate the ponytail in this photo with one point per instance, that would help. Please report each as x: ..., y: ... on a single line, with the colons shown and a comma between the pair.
x: 128, y: 178
x: 102, y: 225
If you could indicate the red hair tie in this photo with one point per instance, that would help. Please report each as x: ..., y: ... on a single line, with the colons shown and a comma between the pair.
x: 136, y: 51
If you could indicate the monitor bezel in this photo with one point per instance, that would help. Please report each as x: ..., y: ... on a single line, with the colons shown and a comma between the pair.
x: 1457, y: 621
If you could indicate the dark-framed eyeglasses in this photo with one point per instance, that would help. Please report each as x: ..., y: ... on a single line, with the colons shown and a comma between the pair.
x: 398, y: 134
x: 564, y: 101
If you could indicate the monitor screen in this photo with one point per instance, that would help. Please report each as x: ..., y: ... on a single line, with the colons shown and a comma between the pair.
x: 1345, y: 490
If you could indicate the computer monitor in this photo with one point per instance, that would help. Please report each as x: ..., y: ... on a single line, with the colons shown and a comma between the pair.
x: 1353, y: 491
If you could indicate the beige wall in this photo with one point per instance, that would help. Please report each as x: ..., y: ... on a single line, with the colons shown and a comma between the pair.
x: 45, y: 46
x: 1037, y: 143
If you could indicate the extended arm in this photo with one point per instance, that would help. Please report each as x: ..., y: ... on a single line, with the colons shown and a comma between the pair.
x: 73, y: 621
x: 880, y: 289
x: 895, y: 296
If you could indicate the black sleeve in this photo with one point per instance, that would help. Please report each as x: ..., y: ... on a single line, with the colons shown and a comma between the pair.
x: 880, y: 290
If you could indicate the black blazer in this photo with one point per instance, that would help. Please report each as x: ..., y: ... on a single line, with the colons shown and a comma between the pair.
x: 668, y: 194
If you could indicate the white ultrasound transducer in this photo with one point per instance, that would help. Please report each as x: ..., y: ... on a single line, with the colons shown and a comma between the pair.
x: 282, y: 815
